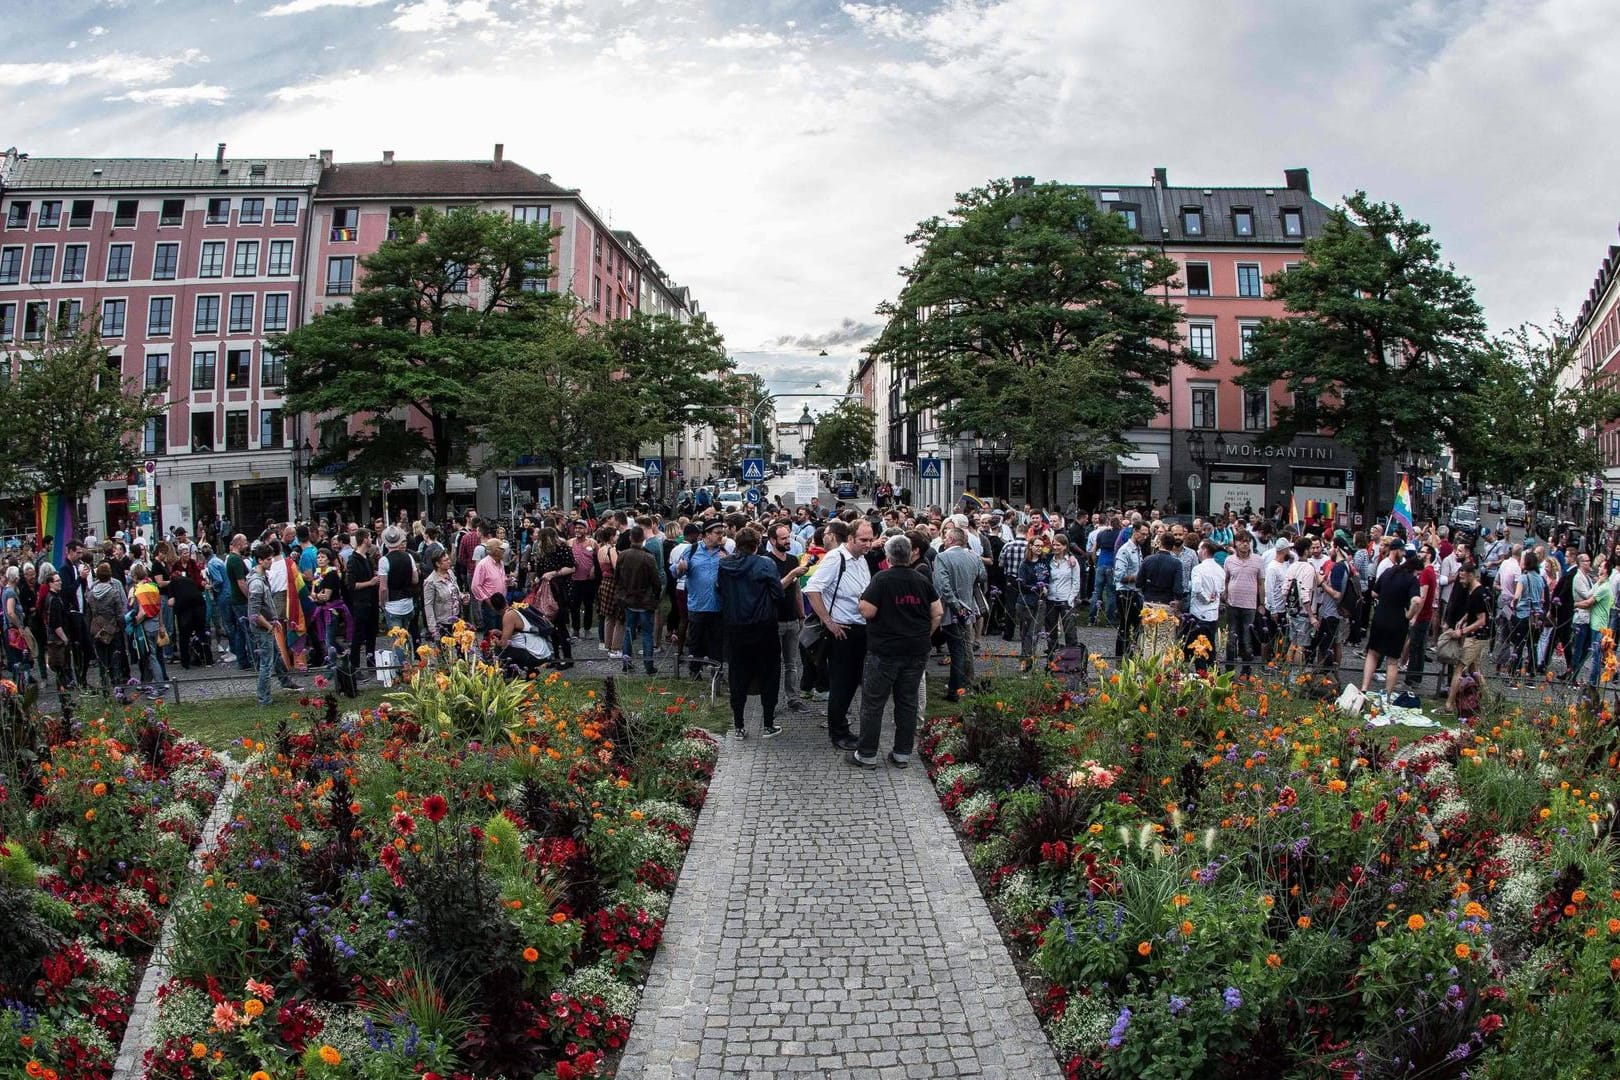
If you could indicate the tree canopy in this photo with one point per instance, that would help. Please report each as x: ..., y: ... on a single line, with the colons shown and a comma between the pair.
x: 1381, y: 340
x: 71, y: 419
x: 675, y: 369
x: 844, y: 436
x: 1029, y: 316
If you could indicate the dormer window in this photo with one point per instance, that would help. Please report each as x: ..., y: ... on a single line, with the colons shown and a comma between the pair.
x: 1130, y: 216
x: 1243, y: 222
x: 1192, y: 221
x: 1109, y: 195
x: 1293, y: 222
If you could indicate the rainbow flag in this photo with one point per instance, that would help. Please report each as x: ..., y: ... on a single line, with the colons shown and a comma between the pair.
x: 1402, y: 511
x: 971, y: 503
x: 1321, y: 509
x: 1293, y: 510
x: 53, y: 517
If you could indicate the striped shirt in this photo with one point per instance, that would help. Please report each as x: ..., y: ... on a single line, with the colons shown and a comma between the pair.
x: 1012, y: 557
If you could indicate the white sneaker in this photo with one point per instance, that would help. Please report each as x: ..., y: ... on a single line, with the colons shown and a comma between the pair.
x: 616, y: 656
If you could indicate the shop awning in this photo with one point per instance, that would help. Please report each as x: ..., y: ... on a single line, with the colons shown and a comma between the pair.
x: 629, y: 472
x: 1146, y: 462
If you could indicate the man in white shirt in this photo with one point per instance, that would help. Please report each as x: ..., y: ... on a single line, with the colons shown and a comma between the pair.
x: 1208, y: 581
x: 834, y: 592
x: 1277, y: 567
x: 1299, y: 597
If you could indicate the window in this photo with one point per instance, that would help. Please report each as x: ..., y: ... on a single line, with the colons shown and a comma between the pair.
x: 219, y: 212
x: 1197, y: 279
x: 202, y: 374
x: 160, y: 316
x: 1306, y: 408
x: 399, y: 220
x: 155, y: 436
x: 157, y: 370
x: 1203, y: 406
x: 456, y: 277
x: 35, y: 315
x: 238, y: 368
x: 1201, y: 340
x: 50, y: 214
x: 270, y: 429
x: 241, y: 314
x: 118, y: 259
x: 112, y: 317
x: 42, y: 264
x: 1129, y: 215
x: 252, y: 212
x: 236, y: 429
x: 281, y: 258
x: 275, y: 312
x: 286, y: 211
x: 535, y: 273
x: 246, y: 263
x: 17, y: 215
x: 1256, y: 408
x: 597, y: 244
x: 1243, y: 222
x: 125, y: 212
x: 1246, y: 334
x: 165, y: 262
x: 272, y: 369
x: 534, y: 215
x: 173, y: 212
x: 68, y: 313
x: 1293, y: 223
x: 345, y: 223
x: 202, y: 430
x: 81, y: 213
x: 207, y: 320
x: 8, y: 322
x: 1248, y: 279
x: 212, y: 263
x: 596, y: 294
x: 10, y: 265
x: 333, y: 432
x: 74, y: 256
x: 1192, y: 221
x: 340, y: 275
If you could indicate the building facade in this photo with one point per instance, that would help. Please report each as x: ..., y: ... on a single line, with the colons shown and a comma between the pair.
x: 1597, y: 343
x: 189, y: 266
x: 1200, y: 454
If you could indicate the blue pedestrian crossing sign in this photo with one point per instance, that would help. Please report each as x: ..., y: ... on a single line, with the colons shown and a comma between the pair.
x: 1428, y: 485
x: 930, y: 468
x: 753, y: 469
x: 752, y: 495
x: 654, y: 467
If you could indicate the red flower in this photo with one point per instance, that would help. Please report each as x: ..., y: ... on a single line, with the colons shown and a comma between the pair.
x: 1489, y: 1023
x: 403, y: 824
x: 434, y: 808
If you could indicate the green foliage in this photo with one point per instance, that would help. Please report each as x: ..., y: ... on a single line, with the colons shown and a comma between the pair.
x: 1381, y: 341
x: 674, y: 370
x: 70, y: 418
x: 1031, y: 316
x: 15, y: 865
x: 503, y: 848
x: 845, y: 436
x: 28, y: 937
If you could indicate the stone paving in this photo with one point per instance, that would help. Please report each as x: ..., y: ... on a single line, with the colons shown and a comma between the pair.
x: 826, y: 924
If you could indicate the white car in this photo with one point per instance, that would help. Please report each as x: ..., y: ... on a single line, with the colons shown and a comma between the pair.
x: 730, y: 501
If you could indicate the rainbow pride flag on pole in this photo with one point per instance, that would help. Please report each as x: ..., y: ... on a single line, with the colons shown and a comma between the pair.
x: 1293, y: 510
x: 1402, y: 511
x: 53, y: 517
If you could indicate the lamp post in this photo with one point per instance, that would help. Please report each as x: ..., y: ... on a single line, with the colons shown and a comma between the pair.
x: 807, y: 431
x: 1200, y: 458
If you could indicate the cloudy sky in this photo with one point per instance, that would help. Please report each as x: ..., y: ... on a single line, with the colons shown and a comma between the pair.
x: 773, y: 154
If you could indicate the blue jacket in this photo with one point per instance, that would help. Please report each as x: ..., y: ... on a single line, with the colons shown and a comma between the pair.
x: 750, y: 591
x: 702, y: 574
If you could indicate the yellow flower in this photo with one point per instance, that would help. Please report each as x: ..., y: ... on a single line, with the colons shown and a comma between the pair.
x: 330, y: 1055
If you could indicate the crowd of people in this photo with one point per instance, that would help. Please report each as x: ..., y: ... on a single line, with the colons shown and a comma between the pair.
x: 808, y: 603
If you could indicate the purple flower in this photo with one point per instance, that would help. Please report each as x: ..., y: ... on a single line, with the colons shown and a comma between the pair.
x: 1460, y: 1052
x: 1116, y: 1034
x: 1233, y: 999
x: 1178, y: 1005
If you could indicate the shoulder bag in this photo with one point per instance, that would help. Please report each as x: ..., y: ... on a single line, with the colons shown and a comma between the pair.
x: 815, y: 639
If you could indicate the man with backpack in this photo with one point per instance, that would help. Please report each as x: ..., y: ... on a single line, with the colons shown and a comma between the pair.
x: 750, y: 594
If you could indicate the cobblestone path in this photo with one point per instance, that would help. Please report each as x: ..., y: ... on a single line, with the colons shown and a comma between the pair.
x: 826, y: 924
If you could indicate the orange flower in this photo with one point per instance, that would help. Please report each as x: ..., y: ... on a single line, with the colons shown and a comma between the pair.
x: 1474, y: 911
x: 253, y: 1007
x: 1186, y: 928
x: 99, y: 790
x: 90, y: 815
x: 199, y: 1050
x: 1614, y: 926
x: 1273, y: 961
x: 558, y: 917
x: 1337, y: 786
x: 1303, y: 922
x: 34, y: 1069
x: 1416, y: 922
x: 1143, y: 948
x: 330, y: 1055
x: 531, y: 954
x: 1181, y: 899
x: 260, y: 1075
x: 1579, y: 896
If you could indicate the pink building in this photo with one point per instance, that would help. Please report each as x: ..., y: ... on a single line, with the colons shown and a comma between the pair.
x: 189, y: 265
x: 1597, y: 342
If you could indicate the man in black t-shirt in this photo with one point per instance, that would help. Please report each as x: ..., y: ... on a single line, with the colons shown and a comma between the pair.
x: 1161, y: 576
x: 1468, y: 616
x: 790, y: 611
x: 364, y: 601
x: 902, y: 611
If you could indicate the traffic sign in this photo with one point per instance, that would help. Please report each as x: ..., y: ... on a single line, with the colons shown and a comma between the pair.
x: 1194, y: 481
x: 150, y: 466
x: 654, y: 467
x: 753, y: 469
x: 930, y: 468
x: 752, y: 495
x: 1428, y: 485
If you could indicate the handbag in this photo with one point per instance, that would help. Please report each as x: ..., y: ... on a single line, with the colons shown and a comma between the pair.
x: 545, y: 599
x: 15, y: 639
x: 815, y: 639
x: 1449, y: 649
x: 162, y: 638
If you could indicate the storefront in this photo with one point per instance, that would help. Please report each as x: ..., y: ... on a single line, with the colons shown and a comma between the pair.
x: 1237, y: 473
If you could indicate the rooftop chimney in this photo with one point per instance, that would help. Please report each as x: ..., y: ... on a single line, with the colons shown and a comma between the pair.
x: 1161, y: 177
x: 1023, y: 183
x: 388, y: 157
x: 326, y: 159
x: 1297, y: 180
x: 500, y: 154
x: 219, y: 155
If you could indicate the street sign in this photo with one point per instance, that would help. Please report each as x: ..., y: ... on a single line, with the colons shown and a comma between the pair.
x: 1428, y: 485
x: 1614, y: 506
x: 388, y: 486
x: 150, y: 466
x: 929, y: 468
x: 654, y: 467
x: 752, y: 495
x: 1194, y: 481
x: 753, y: 470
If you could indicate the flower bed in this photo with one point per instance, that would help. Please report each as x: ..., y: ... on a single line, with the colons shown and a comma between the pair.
x: 97, y: 822
x: 1225, y: 881
x: 469, y: 882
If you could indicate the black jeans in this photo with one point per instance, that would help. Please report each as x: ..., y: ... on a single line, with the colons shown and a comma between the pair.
x: 1239, y: 636
x: 581, y: 604
x: 901, y: 678
x: 1324, y: 640
x: 957, y: 643
x: 1417, y: 662
x: 704, y: 637
x: 1130, y: 621
x: 753, y: 652
x: 365, y: 636
x: 845, y: 662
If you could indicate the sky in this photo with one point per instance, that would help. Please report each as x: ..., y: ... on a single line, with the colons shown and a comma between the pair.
x: 774, y: 154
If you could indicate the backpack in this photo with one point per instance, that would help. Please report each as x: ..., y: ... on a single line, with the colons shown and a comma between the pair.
x: 1350, y: 598
x: 1291, y: 597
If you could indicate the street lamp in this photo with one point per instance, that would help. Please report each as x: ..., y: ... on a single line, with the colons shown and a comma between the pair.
x: 807, y: 431
x: 1200, y: 458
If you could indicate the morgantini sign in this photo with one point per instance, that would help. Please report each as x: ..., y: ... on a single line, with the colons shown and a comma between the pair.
x: 1288, y: 453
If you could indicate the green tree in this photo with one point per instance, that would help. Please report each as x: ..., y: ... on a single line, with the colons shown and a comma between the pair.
x: 844, y: 436
x: 1380, y: 344
x: 1029, y: 315
x: 745, y: 397
x: 676, y: 369
x: 454, y: 297
x: 70, y: 417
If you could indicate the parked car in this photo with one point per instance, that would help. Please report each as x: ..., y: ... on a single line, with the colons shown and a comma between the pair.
x: 1516, y: 513
x: 730, y: 501
x: 1464, y: 517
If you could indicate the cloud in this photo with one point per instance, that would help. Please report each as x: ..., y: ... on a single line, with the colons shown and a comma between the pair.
x: 123, y: 69
x: 437, y: 16
x: 173, y: 96
x: 743, y: 38
x: 97, y: 31
x: 848, y: 332
x: 300, y: 7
